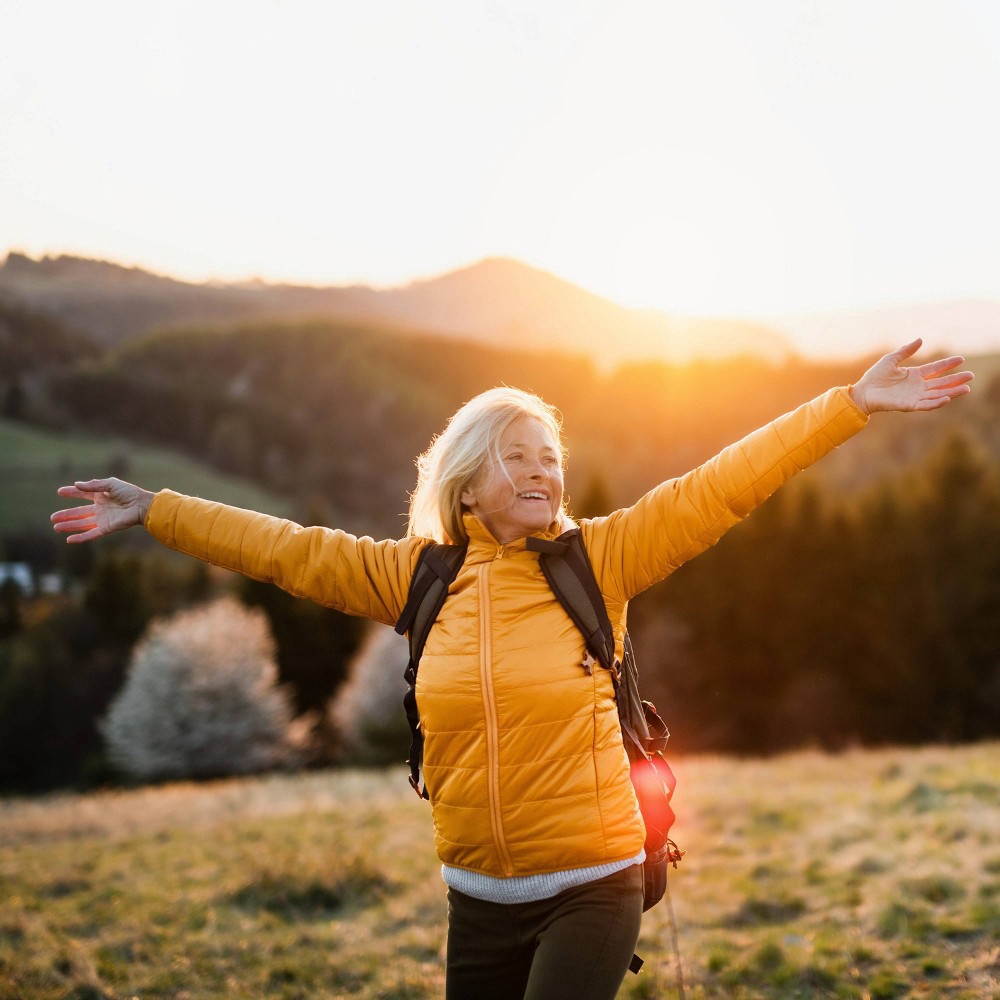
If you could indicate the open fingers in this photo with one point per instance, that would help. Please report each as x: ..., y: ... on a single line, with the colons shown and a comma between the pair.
x: 72, y: 514
x: 946, y: 381
x: 81, y: 529
x: 932, y: 402
x: 79, y: 524
x: 74, y: 526
x: 86, y: 487
x: 73, y: 493
x: 938, y: 397
x: 951, y: 391
x: 933, y: 368
x: 84, y: 536
x: 906, y: 351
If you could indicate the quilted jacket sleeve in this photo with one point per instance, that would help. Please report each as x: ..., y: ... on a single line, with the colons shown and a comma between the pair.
x: 634, y: 548
x: 357, y: 575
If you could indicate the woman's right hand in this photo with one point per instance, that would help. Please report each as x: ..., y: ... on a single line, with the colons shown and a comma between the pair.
x: 114, y: 505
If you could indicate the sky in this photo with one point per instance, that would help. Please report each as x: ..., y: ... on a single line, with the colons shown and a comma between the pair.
x: 708, y: 157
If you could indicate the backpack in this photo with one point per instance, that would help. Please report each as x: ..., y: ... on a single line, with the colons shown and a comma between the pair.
x: 565, y: 564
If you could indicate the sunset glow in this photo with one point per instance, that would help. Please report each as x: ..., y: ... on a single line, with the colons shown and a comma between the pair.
x: 704, y: 159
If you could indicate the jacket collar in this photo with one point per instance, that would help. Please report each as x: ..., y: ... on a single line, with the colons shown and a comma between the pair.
x: 483, y: 544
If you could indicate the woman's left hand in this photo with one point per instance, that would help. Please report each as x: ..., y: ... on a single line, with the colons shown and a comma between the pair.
x: 889, y: 386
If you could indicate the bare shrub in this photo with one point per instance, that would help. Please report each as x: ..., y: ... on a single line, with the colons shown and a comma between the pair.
x: 201, y: 698
x: 367, y: 713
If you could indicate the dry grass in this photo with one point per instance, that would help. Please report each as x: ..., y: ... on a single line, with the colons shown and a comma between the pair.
x: 867, y: 874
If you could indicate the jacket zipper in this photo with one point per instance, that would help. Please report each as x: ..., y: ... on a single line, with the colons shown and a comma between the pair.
x: 492, y: 728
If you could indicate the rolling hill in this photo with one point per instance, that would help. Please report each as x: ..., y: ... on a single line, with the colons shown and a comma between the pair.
x: 498, y: 301
x: 36, y: 462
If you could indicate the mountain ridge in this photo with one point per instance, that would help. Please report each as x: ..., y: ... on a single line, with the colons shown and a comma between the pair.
x: 497, y: 300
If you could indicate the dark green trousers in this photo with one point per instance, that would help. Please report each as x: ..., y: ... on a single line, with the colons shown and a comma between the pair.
x: 576, y: 945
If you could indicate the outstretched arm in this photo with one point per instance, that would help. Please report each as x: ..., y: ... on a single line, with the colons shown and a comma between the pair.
x: 636, y: 547
x: 887, y: 385
x: 114, y: 506
x: 356, y: 575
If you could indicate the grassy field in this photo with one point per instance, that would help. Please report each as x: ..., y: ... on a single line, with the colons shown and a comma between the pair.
x: 866, y: 874
x: 35, y: 462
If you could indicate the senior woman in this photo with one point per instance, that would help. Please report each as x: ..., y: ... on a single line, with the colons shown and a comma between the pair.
x: 535, y: 818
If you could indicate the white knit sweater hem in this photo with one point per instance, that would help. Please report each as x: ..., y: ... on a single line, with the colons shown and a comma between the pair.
x: 529, y: 888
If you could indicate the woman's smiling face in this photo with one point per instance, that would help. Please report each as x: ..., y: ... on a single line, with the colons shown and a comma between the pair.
x: 524, y: 494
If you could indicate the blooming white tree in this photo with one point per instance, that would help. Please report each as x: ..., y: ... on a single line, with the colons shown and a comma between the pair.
x: 367, y: 713
x: 201, y: 698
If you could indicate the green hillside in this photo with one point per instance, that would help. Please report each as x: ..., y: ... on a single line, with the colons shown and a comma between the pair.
x: 35, y: 462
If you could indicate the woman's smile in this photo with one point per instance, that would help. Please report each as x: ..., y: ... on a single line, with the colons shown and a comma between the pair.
x: 523, y: 492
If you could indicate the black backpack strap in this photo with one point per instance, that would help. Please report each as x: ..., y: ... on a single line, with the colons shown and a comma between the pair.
x: 436, y: 568
x: 567, y: 568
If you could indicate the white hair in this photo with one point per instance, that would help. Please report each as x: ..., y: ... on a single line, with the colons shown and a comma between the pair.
x: 462, y: 451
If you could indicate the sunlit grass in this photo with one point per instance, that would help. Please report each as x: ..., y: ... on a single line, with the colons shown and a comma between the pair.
x: 866, y: 874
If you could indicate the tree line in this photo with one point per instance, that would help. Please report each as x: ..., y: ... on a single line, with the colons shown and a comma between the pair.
x: 859, y: 605
x: 831, y: 619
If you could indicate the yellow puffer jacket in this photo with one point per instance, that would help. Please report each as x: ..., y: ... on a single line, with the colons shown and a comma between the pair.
x: 523, y: 756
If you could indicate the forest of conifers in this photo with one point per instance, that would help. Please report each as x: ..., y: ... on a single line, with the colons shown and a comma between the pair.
x: 861, y: 604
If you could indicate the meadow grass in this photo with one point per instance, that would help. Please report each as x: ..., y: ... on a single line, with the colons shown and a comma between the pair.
x: 868, y: 874
x: 36, y: 462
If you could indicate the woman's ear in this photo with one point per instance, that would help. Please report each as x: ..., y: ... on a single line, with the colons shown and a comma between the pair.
x: 468, y: 498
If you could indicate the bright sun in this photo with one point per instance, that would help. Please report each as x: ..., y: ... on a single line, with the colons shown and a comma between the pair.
x: 666, y: 226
